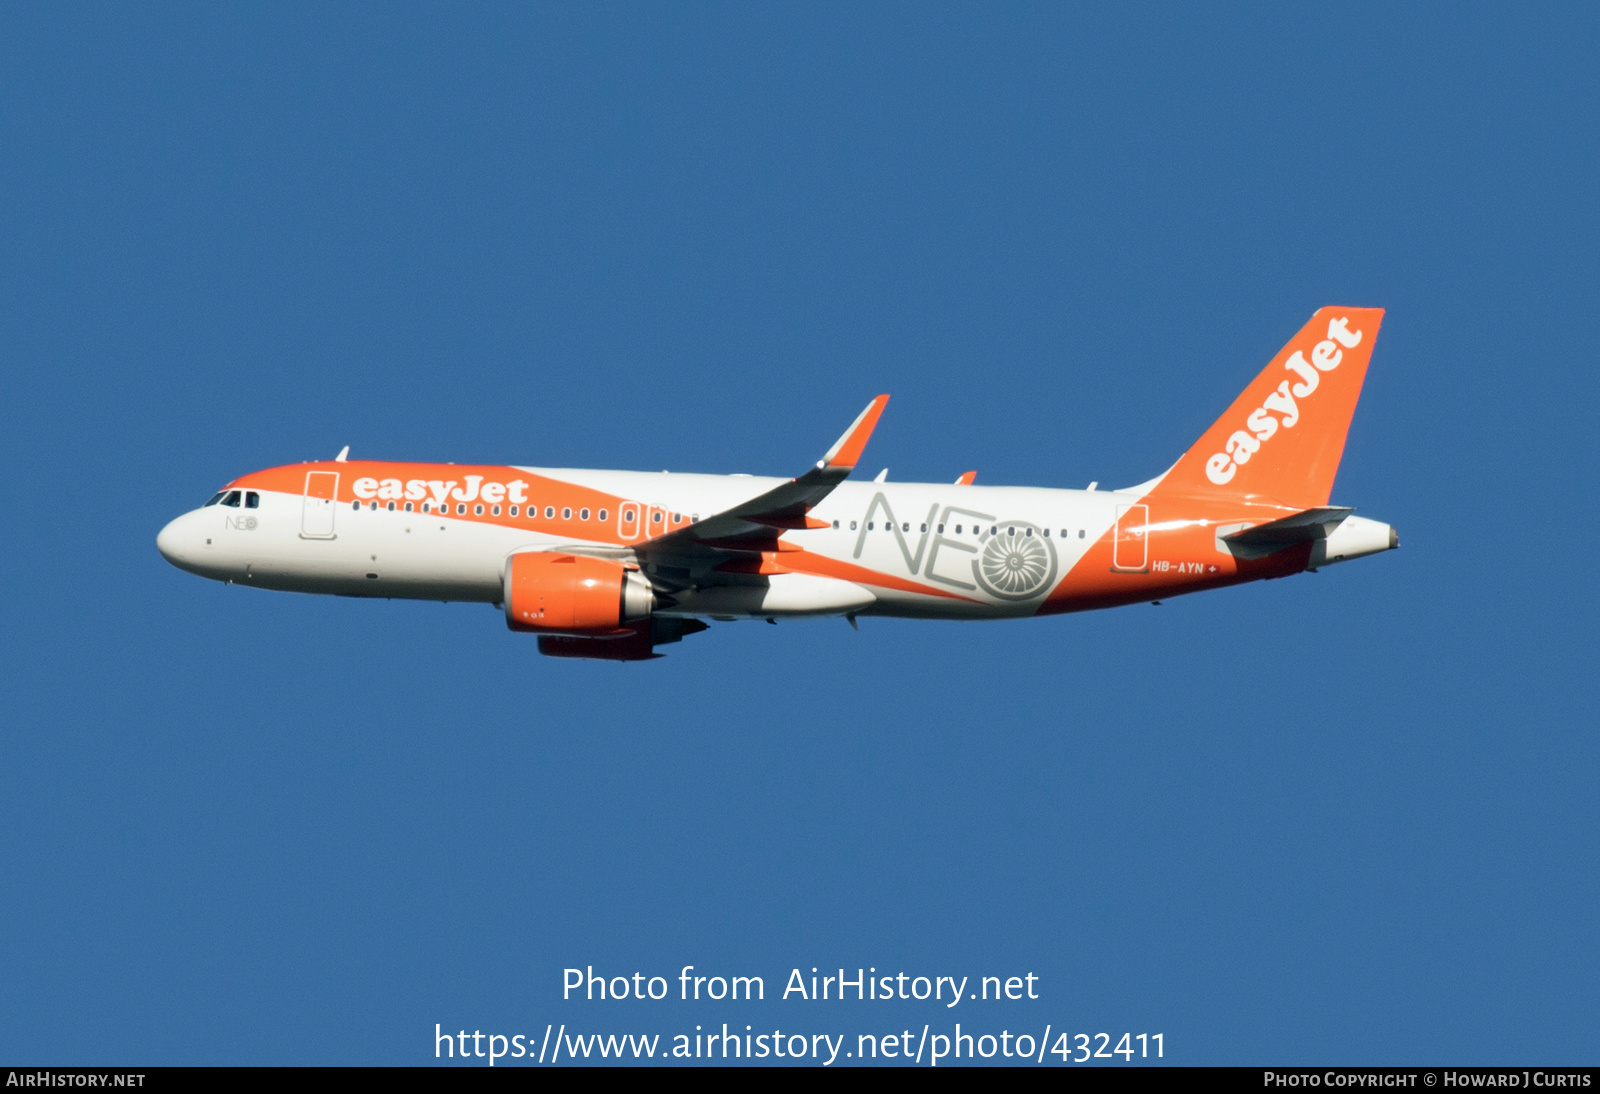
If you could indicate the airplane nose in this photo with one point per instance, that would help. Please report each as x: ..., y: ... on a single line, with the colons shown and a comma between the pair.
x: 170, y: 542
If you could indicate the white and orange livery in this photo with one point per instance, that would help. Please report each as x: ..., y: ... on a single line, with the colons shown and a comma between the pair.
x: 611, y: 564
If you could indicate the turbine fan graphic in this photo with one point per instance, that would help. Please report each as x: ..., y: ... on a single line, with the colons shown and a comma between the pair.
x: 1016, y: 562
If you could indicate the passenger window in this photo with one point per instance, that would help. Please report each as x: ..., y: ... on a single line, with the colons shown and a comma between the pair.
x: 391, y: 507
x: 906, y: 527
x: 513, y: 510
x: 1080, y: 533
x: 870, y: 526
x: 373, y: 506
x: 655, y: 518
x: 408, y: 507
x: 924, y: 527
x: 549, y: 512
x: 252, y: 500
x: 232, y: 499
x: 461, y: 510
x: 603, y: 516
x: 426, y: 508
x: 566, y: 514
x: 958, y: 529
x: 677, y: 518
x: 355, y: 505
x: 218, y: 496
x: 627, y: 515
x: 852, y: 526
x: 1047, y: 533
x: 941, y: 529
x: 583, y: 514
x: 836, y: 524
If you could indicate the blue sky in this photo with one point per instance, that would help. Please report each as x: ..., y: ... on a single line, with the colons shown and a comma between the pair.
x: 1347, y: 817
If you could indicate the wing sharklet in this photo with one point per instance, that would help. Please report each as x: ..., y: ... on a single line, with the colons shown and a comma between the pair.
x: 846, y: 451
x: 755, y: 525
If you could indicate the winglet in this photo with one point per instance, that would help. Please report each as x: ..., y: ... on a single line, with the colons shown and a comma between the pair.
x: 752, y: 525
x: 846, y: 451
x: 967, y: 478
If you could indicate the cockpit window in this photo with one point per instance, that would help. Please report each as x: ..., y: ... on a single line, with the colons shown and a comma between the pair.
x: 252, y: 500
x: 232, y: 499
x: 218, y: 496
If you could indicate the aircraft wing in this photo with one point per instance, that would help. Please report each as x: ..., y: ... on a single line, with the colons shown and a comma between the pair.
x: 754, y: 526
x: 1301, y: 527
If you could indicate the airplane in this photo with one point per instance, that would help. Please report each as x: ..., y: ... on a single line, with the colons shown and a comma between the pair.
x: 610, y: 565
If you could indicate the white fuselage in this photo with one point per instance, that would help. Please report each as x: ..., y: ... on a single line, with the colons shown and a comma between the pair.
x: 927, y: 534
x: 907, y: 549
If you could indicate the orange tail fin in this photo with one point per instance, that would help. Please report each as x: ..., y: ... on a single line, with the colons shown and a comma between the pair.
x: 1281, y: 439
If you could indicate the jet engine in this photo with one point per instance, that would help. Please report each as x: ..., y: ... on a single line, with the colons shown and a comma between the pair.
x: 547, y: 592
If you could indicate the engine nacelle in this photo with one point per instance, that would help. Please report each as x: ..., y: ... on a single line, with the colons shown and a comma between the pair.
x: 552, y: 593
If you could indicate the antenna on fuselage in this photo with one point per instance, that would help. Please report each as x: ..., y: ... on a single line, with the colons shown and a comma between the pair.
x: 344, y: 454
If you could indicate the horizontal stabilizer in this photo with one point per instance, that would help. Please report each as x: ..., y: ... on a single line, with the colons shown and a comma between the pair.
x: 1302, y: 527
